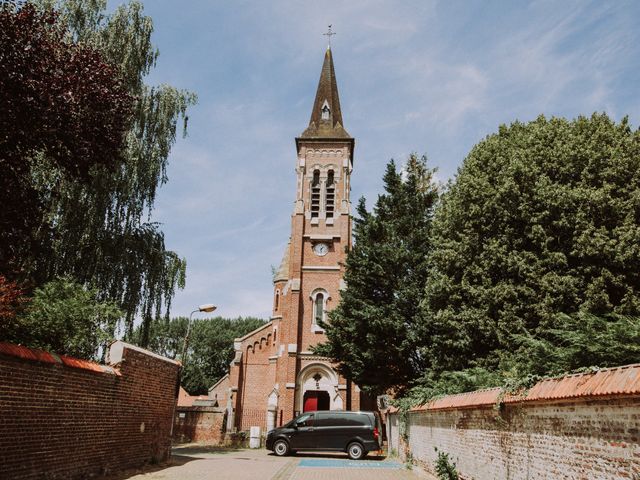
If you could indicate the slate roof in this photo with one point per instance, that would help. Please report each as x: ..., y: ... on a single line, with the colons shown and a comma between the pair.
x: 327, y: 91
x: 283, y: 271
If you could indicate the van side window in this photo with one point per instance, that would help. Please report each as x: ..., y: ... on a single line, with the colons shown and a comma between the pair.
x: 305, y: 420
x: 327, y: 419
x: 359, y: 420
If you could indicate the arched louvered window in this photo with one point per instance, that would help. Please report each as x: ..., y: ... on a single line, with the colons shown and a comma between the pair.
x: 330, y: 196
x: 315, y: 194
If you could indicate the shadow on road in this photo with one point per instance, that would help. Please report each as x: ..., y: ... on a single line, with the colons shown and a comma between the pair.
x: 180, y: 455
x: 174, y: 461
x: 334, y: 456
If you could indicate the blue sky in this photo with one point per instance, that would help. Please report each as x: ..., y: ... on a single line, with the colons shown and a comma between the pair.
x: 414, y: 76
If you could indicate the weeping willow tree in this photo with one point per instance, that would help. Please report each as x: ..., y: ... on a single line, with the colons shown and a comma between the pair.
x: 102, y: 233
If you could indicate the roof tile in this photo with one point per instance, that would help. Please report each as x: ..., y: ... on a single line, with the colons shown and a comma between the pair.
x: 33, y: 354
x: 623, y: 380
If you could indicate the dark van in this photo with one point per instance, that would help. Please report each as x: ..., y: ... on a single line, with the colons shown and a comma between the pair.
x: 356, y: 433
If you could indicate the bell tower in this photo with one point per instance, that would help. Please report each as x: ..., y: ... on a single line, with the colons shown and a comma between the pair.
x: 310, y: 278
x: 275, y: 375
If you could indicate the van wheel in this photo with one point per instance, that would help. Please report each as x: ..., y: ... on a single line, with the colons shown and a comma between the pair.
x: 355, y: 451
x: 281, y: 448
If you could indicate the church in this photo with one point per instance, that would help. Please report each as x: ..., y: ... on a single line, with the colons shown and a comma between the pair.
x: 275, y: 375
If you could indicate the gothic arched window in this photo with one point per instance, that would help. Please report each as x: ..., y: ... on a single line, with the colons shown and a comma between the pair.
x: 319, y: 297
x: 277, y: 302
x: 318, y: 310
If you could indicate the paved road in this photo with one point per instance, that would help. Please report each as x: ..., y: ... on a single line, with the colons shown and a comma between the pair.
x: 207, y: 463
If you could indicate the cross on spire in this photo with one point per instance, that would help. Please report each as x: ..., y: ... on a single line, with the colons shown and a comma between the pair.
x: 329, y: 34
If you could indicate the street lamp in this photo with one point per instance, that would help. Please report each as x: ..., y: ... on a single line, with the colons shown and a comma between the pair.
x: 207, y: 307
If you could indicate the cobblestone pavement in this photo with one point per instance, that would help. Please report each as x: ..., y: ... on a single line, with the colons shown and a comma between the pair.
x: 207, y: 463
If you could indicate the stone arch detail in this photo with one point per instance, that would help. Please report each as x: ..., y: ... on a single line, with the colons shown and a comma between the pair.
x: 328, y: 382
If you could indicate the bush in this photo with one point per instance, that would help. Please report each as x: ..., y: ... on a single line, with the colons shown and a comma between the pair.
x: 445, y: 468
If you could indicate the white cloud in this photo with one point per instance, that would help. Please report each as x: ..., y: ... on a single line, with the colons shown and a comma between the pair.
x: 432, y: 77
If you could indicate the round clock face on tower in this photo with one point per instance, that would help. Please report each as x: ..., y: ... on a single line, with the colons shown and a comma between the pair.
x: 321, y: 249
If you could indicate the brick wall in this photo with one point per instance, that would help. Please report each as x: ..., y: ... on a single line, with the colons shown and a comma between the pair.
x: 255, y: 376
x: 63, y: 418
x: 219, y: 391
x: 199, y: 424
x: 580, y: 437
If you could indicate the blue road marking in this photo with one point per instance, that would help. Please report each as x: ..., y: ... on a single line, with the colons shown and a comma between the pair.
x: 337, y: 463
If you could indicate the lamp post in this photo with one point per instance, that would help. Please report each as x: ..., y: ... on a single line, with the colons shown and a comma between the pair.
x: 207, y: 307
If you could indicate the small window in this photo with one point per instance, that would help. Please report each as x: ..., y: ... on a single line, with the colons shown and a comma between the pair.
x: 319, y: 310
x: 325, y: 112
x: 319, y: 297
x: 277, y: 303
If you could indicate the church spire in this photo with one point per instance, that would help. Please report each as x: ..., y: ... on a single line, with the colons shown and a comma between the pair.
x: 326, y: 116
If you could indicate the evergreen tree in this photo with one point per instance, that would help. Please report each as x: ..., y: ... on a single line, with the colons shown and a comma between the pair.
x: 373, y: 332
x: 543, y: 218
x: 574, y: 342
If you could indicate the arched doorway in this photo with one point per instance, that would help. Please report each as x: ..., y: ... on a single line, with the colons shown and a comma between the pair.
x: 316, y: 400
x: 317, y: 389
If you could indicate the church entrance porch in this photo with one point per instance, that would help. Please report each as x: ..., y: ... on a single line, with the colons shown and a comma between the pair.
x: 318, y: 389
x: 316, y: 400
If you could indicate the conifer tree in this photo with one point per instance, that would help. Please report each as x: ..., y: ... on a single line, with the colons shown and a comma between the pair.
x: 373, y: 332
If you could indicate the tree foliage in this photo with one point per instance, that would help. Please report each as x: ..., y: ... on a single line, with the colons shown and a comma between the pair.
x: 66, y: 318
x: 373, y: 332
x: 573, y: 342
x: 570, y: 343
x: 12, y: 302
x: 445, y: 467
x: 102, y: 233
x: 210, y: 348
x: 62, y: 106
x: 543, y: 218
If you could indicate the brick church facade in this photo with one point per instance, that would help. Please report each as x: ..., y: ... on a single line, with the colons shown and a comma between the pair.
x: 275, y: 375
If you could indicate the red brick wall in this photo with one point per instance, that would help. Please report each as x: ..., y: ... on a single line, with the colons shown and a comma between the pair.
x: 220, y: 391
x: 68, y: 420
x: 258, y: 380
x: 593, y: 439
x: 199, y: 424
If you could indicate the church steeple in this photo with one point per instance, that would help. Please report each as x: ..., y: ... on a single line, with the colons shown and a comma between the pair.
x: 326, y: 116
